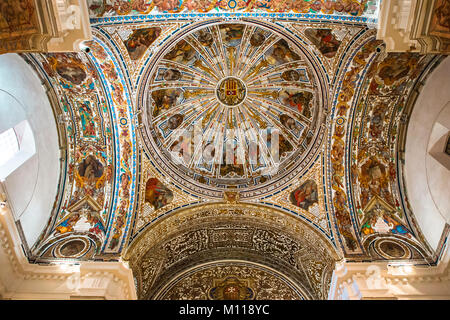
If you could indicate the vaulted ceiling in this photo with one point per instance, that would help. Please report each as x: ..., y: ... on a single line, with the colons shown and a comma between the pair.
x: 315, y: 106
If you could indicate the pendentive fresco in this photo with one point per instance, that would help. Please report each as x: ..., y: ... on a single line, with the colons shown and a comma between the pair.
x: 222, y: 156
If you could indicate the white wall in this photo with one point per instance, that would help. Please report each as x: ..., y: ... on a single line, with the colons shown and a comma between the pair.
x: 31, y: 189
x: 427, y: 180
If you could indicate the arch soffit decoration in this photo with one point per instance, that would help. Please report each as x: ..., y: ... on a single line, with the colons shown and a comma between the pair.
x: 334, y: 117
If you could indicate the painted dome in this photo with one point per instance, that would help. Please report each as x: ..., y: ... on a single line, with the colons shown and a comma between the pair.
x: 232, y: 106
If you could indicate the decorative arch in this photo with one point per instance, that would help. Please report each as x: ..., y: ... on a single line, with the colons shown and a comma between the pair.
x: 249, y: 232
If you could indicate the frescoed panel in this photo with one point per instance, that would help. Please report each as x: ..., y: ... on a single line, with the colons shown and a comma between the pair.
x: 251, y: 93
x: 138, y: 42
x: 324, y: 40
x: 87, y: 119
x: 299, y: 101
x: 380, y: 217
x: 440, y: 23
x: 306, y: 195
x: 157, y: 194
x: 69, y: 67
x: 87, y: 188
x: 99, y: 8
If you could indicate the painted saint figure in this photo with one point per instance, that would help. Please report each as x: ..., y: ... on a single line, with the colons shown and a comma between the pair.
x: 298, y: 100
x: 172, y: 75
x: 205, y: 38
x: 175, y: 121
x: 257, y: 39
x: 165, y: 99
x: 68, y: 224
x: 291, y: 124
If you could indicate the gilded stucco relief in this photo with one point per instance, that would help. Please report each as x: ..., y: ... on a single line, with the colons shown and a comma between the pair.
x: 314, y: 176
x: 249, y: 232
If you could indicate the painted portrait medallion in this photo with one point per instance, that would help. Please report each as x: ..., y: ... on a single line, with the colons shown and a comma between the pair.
x: 72, y: 248
x: 139, y: 41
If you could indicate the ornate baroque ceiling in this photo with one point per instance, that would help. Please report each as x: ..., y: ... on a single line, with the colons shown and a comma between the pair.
x: 316, y: 110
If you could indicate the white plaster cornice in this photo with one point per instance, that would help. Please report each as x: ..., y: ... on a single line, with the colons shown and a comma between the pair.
x: 20, y: 279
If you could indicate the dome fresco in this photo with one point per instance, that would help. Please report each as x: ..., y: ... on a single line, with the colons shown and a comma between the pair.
x: 266, y: 137
x: 232, y: 105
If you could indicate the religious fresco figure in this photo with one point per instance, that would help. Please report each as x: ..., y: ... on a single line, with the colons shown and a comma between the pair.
x: 168, y: 5
x: 97, y: 226
x: 396, y: 67
x: 183, y: 148
x: 139, y: 41
x: 172, y: 75
x: 377, y: 120
x: 205, y: 38
x: 291, y: 124
x: 90, y: 178
x: 199, y: 5
x: 306, y: 195
x: 281, y: 53
x: 87, y: 119
x: 175, y: 121
x: 290, y: 75
x: 257, y: 39
x: 68, y: 224
x: 316, y: 5
x: 232, y: 34
x: 374, y: 180
x: 165, y: 99
x: 284, y: 145
x: 90, y: 168
x: 71, y: 72
x: 396, y: 226
x: 68, y: 66
x: 379, y: 218
x: 157, y: 194
x: 324, y: 40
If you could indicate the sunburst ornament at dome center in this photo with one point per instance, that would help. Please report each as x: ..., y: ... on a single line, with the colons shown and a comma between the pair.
x: 231, y: 91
